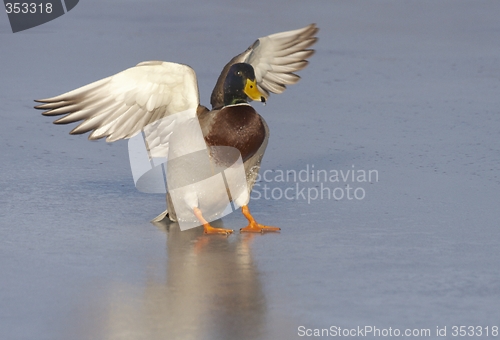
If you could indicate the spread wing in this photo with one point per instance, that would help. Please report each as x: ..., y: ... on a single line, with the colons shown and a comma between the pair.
x: 122, y: 105
x: 274, y: 58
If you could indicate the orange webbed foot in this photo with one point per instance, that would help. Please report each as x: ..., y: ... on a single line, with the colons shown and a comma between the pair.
x: 254, y: 227
x: 207, y: 228
x: 258, y: 228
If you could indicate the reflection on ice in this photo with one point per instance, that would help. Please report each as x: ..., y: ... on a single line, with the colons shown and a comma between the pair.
x: 211, y: 290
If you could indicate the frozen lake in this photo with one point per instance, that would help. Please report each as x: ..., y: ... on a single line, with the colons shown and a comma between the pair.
x: 407, y: 89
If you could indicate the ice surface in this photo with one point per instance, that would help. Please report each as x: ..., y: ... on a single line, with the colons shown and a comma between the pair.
x: 407, y: 88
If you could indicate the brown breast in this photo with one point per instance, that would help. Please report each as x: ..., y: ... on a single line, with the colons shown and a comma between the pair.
x: 239, y: 126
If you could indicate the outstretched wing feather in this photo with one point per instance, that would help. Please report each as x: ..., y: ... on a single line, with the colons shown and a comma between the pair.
x: 120, y: 106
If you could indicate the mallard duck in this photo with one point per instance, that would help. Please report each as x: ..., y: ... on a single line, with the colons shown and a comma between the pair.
x: 123, y: 105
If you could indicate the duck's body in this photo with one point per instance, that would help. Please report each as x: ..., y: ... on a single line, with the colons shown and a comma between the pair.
x: 131, y: 101
x: 239, y: 126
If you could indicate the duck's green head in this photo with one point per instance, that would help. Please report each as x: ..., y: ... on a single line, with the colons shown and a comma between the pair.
x: 240, y: 84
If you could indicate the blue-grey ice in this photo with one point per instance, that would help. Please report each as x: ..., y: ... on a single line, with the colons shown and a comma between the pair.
x: 405, y: 91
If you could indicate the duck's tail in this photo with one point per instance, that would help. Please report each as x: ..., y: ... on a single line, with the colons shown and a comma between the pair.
x: 160, y: 217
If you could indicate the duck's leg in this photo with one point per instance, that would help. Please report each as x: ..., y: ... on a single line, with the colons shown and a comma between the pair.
x: 254, y: 227
x: 207, y: 228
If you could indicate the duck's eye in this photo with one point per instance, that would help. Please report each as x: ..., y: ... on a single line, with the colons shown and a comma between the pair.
x: 239, y: 73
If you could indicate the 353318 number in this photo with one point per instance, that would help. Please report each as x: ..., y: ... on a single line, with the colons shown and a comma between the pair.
x: 25, y: 8
x: 475, y: 331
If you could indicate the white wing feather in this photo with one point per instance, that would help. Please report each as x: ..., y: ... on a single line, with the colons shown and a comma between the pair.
x: 275, y: 58
x: 121, y: 106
